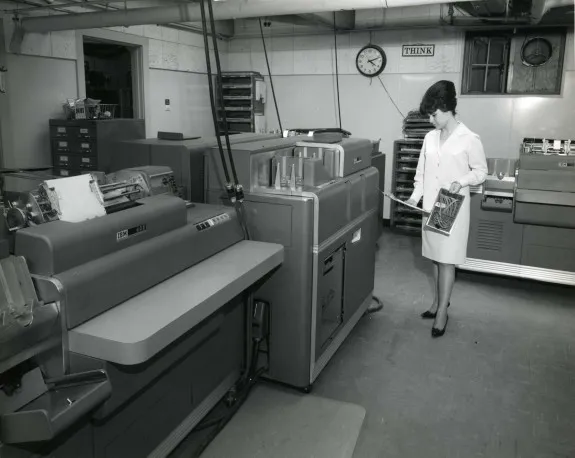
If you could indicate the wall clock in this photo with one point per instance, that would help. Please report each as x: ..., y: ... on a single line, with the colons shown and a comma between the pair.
x: 370, y: 60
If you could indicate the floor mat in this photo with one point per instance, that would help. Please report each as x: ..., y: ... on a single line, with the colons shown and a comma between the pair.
x: 278, y: 423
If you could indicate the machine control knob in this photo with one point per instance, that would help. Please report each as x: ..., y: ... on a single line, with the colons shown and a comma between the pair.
x: 16, y: 219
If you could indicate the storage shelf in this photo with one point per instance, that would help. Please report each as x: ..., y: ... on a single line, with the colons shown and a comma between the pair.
x: 236, y: 86
x: 406, y: 156
x: 407, y: 161
x: 239, y: 97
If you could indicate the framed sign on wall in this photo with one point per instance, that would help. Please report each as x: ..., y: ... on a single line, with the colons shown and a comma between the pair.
x: 418, y: 50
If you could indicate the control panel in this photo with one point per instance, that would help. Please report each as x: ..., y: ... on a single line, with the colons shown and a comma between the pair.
x: 219, y: 219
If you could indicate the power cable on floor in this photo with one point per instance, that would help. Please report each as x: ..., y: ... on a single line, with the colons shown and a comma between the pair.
x: 375, y: 307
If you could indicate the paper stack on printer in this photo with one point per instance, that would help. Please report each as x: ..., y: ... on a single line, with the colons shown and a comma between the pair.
x: 76, y: 198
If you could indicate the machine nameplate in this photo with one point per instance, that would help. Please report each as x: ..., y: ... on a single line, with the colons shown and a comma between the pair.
x: 63, y: 144
x: 127, y: 233
x: 212, y: 221
x: 566, y: 164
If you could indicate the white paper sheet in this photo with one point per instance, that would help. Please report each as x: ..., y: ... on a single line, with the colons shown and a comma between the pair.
x: 392, y: 197
x: 77, y: 202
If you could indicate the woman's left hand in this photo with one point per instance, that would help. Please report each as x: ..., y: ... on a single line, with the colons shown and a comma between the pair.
x: 455, y: 187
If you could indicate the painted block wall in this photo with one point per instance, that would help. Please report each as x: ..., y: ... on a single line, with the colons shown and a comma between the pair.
x: 40, y: 79
x: 303, y: 69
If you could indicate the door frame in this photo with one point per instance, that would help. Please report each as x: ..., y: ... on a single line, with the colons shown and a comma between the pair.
x: 139, y: 48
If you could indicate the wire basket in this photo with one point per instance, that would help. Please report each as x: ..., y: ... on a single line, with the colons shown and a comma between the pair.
x: 444, y: 212
x: 91, y: 111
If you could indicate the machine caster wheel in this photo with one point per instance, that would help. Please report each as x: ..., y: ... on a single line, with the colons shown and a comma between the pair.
x: 307, y: 389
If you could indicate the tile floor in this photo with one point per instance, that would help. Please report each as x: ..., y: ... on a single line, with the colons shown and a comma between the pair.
x: 500, y: 383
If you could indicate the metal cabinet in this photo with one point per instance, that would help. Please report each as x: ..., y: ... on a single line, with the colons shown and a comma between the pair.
x: 83, y: 146
x: 493, y: 236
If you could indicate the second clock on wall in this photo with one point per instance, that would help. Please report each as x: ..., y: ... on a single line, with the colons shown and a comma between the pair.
x: 370, y: 60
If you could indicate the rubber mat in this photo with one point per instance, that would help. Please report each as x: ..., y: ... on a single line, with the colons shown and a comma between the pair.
x: 276, y: 423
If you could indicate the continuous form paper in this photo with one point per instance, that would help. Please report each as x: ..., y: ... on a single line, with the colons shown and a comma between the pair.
x: 76, y: 199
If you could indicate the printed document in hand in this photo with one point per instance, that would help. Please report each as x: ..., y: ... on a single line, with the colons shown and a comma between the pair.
x: 392, y: 197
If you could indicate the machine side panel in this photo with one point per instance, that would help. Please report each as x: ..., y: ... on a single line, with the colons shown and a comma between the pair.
x: 195, y: 170
x: 178, y: 380
x: 59, y: 246
x: 77, y: 442
x: 545, y: 214
x: 552, y: 180
x: 126, y: 154
x: 289, y: 289
x: 358, y: 239
x: 545, y: 163
x: 549, y: 247
x: 346, y: 200
x: 357, y: 155
x: 493, y: 235
x: 99, y: 285
x: 359, y: 264
x: 175, y: 157
x: 113, y: 131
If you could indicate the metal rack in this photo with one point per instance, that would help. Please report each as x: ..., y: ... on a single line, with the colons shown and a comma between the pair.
x: 244, y: 102
x: 405, y: 157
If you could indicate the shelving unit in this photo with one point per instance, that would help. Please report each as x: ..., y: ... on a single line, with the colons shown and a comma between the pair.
x: 405, y: 157
x: 244, y: 102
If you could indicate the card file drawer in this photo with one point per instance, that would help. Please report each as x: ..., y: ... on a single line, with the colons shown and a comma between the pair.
x: 82, y: 146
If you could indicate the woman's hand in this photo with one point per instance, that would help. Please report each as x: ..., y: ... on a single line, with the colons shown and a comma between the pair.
x: 411, y: 202
x: 455, y: 187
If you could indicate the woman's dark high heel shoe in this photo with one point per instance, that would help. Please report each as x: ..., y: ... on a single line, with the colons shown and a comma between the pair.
x: 439, y: 332
x: 427, y: 315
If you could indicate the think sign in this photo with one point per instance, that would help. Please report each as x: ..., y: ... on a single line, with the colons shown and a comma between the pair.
x: 418, y: 50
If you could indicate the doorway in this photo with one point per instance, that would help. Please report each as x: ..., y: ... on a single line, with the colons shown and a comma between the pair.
x: 108, y: 75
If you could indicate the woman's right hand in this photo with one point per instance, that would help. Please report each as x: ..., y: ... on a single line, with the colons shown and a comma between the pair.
x: 412, y: 202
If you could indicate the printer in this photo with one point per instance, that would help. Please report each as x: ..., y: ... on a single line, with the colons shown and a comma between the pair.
x: 119, y: 332
x: 318, y: 197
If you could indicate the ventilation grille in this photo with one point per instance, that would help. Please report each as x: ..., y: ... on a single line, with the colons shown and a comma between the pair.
x: 490, y: 235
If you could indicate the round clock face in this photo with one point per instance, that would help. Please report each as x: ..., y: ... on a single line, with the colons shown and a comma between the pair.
x: 370, y: 60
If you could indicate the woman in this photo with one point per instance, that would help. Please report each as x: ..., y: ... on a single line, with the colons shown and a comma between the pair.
x: 452, y: 157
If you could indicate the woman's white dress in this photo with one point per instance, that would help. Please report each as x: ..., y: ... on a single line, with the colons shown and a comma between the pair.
x: 461, y: 158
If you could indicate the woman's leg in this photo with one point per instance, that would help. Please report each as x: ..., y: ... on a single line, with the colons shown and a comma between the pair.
x: 433, y: 308
x: 446, y: 281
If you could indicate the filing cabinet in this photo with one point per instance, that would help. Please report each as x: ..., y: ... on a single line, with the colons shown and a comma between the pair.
x: 83, y: 146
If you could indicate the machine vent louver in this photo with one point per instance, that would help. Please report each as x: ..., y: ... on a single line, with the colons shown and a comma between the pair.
x: 490, y: 235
